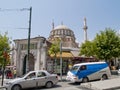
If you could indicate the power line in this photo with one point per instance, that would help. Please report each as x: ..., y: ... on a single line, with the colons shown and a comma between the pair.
x: 13, y: 28
x: 17, y: 10
x: 5, y: 10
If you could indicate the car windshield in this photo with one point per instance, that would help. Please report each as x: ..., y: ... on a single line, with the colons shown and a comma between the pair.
x: 22, y: 75
x: 74, y: 68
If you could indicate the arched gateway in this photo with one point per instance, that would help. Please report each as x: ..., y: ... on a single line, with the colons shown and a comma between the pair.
x: 37, y: 56
x: 30, y: 63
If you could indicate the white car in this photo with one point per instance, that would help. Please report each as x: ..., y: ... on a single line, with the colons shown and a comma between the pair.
x: 118, y: 71
x: 33, y: 79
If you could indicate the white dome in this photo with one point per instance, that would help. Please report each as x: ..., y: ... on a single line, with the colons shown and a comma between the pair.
x: 61, y: 27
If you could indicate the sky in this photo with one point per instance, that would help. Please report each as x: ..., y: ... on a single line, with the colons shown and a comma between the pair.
x: 100, y: 14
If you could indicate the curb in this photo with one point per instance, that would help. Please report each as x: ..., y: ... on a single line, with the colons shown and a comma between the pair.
x: 3, y: 88
x: 114, y: 88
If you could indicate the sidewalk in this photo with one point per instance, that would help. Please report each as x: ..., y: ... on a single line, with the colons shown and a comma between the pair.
x: 110, y: 84
x: 63, y: 78
x: 5, y: 80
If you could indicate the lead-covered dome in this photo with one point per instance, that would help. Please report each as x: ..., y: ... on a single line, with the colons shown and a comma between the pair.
x: 61, y: 27
x: 64, y: 33
x: 62, y: 30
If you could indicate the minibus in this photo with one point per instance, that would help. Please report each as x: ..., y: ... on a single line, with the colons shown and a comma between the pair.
x: 85, y: 72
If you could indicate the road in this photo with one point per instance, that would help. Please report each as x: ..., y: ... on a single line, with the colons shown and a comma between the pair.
x: 68, y: 86
x: 64, y: 86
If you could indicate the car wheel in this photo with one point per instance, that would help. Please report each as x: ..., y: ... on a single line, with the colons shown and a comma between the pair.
x: 49, y: 84
x: 84, y: 80
x: 104, y: 77
x: 16, y: 87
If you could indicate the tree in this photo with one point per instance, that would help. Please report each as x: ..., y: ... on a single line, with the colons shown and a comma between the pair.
x: 4, y: 48
x: 54, y: 49
x: 108, y: 44
x: 87, y: 48
x: 4, y: 52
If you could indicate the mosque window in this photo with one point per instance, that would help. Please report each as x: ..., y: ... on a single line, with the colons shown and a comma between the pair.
x: 62, y: 32
x: 65, y: 32
x: 68, y: 32
x: 58, y: 32
x: 55, y: 32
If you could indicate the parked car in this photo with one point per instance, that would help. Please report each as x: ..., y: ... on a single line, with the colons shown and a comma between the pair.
x: 33, y: 79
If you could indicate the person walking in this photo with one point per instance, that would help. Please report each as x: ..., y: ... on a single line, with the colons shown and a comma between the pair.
x: 8, y: 73
x: 14, y: 72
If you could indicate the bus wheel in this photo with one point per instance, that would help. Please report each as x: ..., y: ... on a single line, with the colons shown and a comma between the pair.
x: 84, y: 80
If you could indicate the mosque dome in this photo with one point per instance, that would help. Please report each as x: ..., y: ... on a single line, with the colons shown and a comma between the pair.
x: 62, y: 30
x: 64, y: 33
x: 61, y: 27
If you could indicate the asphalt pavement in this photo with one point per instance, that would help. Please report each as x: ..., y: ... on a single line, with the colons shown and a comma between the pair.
x: 111, y: 84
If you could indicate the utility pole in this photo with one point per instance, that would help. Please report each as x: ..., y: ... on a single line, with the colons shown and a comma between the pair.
x: 4, y: 62
x: 29, y: 33
x: 61, y: 60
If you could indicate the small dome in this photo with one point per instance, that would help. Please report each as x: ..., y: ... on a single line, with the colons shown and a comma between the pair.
x: 61, y: 27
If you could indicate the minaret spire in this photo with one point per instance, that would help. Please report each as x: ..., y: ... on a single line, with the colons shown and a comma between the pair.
x: 52, y: 24
x: 85, y: 29
x: 62, y: 23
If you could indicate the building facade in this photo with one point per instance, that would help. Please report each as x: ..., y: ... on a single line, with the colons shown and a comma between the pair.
x: 37, y: 55
x: 68, y: 46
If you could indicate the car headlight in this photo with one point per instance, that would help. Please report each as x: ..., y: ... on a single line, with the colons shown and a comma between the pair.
x: 8, y: 83
x: 74, y: 76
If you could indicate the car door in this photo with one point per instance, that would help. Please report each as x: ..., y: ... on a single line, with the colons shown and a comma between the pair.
x: 30, y: 81
x: 41, y: 78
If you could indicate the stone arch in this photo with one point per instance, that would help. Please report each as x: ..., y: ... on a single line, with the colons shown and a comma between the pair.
x: 28, y: 65
x: 31, y: 62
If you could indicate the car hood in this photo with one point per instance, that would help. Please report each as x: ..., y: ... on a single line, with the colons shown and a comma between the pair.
x: 16, y: 80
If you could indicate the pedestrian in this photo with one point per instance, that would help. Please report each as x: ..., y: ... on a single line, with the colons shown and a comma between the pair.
x: 14, y: 72
x: 8, y: 73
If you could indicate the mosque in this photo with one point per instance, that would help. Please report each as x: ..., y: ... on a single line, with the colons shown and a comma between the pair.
x: 39, y: 46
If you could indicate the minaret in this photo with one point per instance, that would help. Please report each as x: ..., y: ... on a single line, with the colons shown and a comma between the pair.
x: 62, y: 23
x: 85, y: 29
x: 53, y: 25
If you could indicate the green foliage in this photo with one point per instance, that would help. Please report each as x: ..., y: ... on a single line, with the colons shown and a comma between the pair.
x: 107, y: 43
x: 55, y: 48
x: 4, y: 45
x: 87, y: 48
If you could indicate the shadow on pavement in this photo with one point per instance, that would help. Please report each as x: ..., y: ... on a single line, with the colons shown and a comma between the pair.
x: 40, y: 88
x: 77, y: 83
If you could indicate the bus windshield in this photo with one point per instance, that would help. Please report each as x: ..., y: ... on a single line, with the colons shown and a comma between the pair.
x: 74, y: 68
